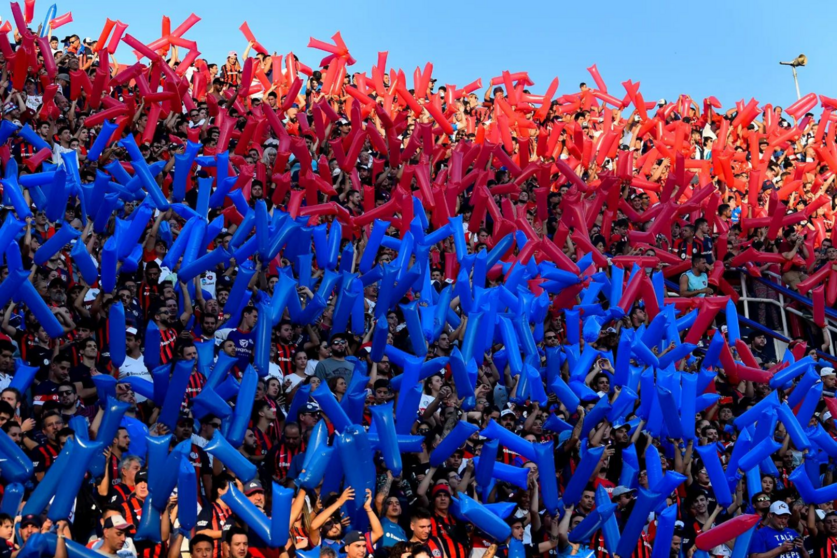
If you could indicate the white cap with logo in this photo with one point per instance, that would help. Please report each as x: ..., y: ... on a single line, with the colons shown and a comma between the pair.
x: 779, y: 508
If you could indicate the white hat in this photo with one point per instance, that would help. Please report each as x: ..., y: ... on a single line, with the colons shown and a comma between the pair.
x: 661, y: 103
x: 821, y: 514
x: 506, y: 412
x: 620, y: 490
x: 779, y: 508
x: 827, y: 371
x: 825, y: 416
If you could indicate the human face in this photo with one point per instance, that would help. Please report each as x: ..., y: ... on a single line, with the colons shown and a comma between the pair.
x: 780, y: 522
x: 115, y: 538
x: 239, y: 547
x: 441, y: 501
x: 10, y: 398
x: 61, y: 370
x: 257, y: 498
x: 517, y: 530
x: 420, y: 529
x: 356, y: 550
x: 51, y: 426
x: 16, y: 434
x: 338, y: 347
x: 130, y: 471
x: 831, y: 525
x: 6, y: 360
x: 286, y: 333
x: 183, y: 429
x: 202, y: 550
x: 588, y: 501
x: 122, y: 440
x: 27, y: 530
x: 292, y: 436
x: 699, y: 506
x: 393, y: 507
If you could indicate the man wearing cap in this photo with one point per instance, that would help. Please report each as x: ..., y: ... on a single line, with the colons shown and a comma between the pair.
x: 134, y: 364
x: 29, y: 524
x: 254, y: 491
x: 132, y: 511
x: 309, y: 415
x: 115, y: 533
x: 623, y: 497
x: 775, y: 539
x: 829, y: 381
x: 356, y: 545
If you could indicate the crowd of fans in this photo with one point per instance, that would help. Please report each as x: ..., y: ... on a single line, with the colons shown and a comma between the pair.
x: 682, y: 188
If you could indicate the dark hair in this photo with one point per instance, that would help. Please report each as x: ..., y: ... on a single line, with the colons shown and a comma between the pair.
x: 228, y: 537
x: 6, y: 409
x: 199, y: 538
x: 15, y: 391
x: 420, y: 513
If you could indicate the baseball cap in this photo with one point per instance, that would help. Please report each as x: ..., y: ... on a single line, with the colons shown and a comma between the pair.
x: 506, y: 412
x: 310, y: 408
x: 825, y: 416
x: 827, y: 371
x: 620, y: 490
x: 131, y: 330
x: 441, y: 488
x: 779, y: 508
x: 31, y: 519
x: 821, y: 514
x: 232, y: 53
x: 141, y: 476
x: 117, y: 522
x: 252, y: 487
x: 353, y: 537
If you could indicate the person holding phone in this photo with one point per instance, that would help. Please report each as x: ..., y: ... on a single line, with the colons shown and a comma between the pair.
x: 776, y: 540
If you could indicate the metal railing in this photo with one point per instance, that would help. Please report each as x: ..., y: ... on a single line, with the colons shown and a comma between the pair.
x: 782, y: 338
x: 782, y: 303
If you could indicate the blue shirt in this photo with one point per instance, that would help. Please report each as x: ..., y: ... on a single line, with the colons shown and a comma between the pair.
x: 244, y: 345
x: 767, y: 538
x: 393, y: 533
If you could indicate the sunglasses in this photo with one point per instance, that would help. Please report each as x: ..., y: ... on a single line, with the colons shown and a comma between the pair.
x: 339, y: 342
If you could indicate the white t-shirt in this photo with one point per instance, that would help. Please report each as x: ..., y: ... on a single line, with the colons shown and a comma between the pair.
x: 135, y: 367
x: 128, y: 549
x: 311, y: 367
x: 425, y: 402
x: 208, y: 281
x: 294, y: 379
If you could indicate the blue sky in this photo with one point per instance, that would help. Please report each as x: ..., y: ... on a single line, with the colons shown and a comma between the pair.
x: 727, y: 49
